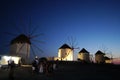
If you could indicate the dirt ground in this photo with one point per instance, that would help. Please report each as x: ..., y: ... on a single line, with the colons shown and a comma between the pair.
x: 68, y: 71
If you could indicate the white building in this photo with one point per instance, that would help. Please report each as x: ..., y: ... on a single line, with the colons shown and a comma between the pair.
x: 65, y: 53
x: 83, y: 55
x: 20, y: 46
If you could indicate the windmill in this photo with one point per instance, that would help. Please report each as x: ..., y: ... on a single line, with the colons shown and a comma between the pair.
x: 72, y: 42
x: 24, y: 44
x: 65, y: 53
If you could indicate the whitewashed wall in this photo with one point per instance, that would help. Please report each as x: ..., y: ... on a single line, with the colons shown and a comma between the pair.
x: 66, y: 54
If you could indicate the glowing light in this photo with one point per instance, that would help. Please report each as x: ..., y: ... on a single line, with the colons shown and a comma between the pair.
x: 7, y: 57
x: 16, y: 59
x: 65, y: 54
x: 4, y: 59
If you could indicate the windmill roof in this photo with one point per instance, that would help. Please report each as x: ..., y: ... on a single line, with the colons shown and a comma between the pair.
x: 83, y: 51
x: 107, y: 58
x: 99, y: 52
x: 21, y: 39
x: 65, y: 46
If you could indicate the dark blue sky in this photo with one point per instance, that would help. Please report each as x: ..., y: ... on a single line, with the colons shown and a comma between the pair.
x: 95, y: 24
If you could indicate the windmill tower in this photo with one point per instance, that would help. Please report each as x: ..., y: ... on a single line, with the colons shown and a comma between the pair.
x: 65, y: 53
x: 20, y: 46
x: 84, y: 55
x: 99, y: 57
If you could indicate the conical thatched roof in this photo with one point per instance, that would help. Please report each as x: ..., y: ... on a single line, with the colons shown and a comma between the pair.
x: 21, y: 39
x: 83, y: 51
x: 99, y: 53
x: 64, y: 46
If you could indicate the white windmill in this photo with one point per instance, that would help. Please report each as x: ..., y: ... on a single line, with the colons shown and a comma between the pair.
x: 23, y: 45
x: 65, y: 53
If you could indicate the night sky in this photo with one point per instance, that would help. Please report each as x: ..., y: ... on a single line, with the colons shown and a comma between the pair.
x: 93, y: 24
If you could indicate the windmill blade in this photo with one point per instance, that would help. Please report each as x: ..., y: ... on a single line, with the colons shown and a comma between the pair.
x: 69, y: 41
x: 36, y: 35
x: 33, y: 31
x: 77, y: 48
x: 37, y: 48
x: 75, y: 44
x: 38, y: 41
x: 29, y: 26
x: 72, y: 42
x: 23, y: 26
x: 103, y: 48
x: 33, y: 51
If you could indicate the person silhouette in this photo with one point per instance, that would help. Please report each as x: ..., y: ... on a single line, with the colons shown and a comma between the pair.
x: 11, y: 71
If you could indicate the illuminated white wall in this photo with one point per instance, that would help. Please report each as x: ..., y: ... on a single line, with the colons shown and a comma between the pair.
x: 4, y: 59
x: 65, y: 54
